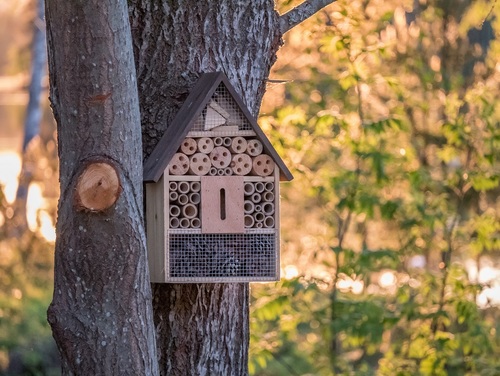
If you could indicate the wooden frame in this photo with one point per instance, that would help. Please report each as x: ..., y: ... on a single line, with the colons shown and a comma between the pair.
x: 221, y: 225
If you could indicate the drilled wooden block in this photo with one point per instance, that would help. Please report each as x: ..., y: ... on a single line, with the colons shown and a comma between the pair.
x: 205, y: 145
x: 220, y: 157
x: 199, y: 164
x: 241, y: 164
x: 254, y: 147
x: 238, y: 145
x: 222, y: 205
x: 179, y: 164
x: 188, y: 146
x: 263, y: 165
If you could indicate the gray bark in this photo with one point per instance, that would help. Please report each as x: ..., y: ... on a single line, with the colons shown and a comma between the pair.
x: 301, y: 13
x: 202, y: 329
x: 101, y: 310
x: 101, y: 314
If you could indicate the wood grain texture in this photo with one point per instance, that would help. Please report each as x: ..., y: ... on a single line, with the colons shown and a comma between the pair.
x: 201, y: 329
x: 101, y: 310
x: 157, y: 217
x: 218, y: 216
x: 97, y: 188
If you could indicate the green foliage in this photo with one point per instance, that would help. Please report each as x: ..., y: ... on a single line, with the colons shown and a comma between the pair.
x: 394, y: 137
x: 26, y: 345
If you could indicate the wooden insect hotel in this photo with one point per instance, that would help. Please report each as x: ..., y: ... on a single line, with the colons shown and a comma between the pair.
x: 212, y: 192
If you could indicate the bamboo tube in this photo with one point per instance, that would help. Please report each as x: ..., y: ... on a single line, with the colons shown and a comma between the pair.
x: 226, y: 141
x: 220, y: 157
x: 179, y: 164
x: 249, y: 221
x: 172, y: 186
x: 258, y: 208
x: 205, y: 145
x: 195, y: 223
x: 184, y: 223
x: 194, y: 198
x: 256, y: 197
x: 174, y: 211
x: 174, y: 222
x: 268, y: 196
x: 241, y: 164
x: 259, y: 225
x: 189, y: 211
x: 199, y: 164
x: 249, y: 189
x: 183, y: 199
x: 212, y: 171
x: 268, y: 208
x: 259, y: 217
x: 254, y: 147
x: 259, y: 187
x: 269, y: 222
x: 173, y: 196
x: 195, y: 186
x: 248, y: 207
x: 218, y: 141
x: 188, y: 146
x: 269, y: 187
x: 238, y: 145
x: 220, y: 172
x: 183, y: 187
x: 263, y: 165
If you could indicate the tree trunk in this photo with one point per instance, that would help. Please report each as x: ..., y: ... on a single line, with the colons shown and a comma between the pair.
x: 101, y: 312
x: 202, y: 329
x: 33, y: 113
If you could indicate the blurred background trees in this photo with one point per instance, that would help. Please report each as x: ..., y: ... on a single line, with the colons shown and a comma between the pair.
x: 27, y: 204
x: 391, y: 229
x: 388, y: 113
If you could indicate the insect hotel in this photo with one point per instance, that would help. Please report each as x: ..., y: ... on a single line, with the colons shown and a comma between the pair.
x: 212, y: 192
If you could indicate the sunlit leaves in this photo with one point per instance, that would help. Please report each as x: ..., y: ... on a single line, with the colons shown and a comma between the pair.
x: 398, y: 153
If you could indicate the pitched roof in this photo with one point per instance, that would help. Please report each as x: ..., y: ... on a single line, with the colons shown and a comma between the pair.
x: 199, y: 97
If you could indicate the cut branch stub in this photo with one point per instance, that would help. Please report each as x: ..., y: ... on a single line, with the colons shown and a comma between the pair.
x: 98, y: 187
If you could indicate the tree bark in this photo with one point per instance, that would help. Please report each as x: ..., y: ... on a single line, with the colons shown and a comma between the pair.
x: 101, y: 312
x: 202, y: 329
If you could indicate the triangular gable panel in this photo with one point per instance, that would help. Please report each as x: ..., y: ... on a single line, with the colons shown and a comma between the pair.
x: 222, y: 110
x: 211, y: 105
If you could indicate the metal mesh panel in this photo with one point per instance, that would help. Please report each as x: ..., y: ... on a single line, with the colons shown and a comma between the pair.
x: 233, y: 257
x: 222, y: 110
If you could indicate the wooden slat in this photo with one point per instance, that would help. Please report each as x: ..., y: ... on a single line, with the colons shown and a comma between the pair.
x: 155, y: 230
x: 277, y: 224
x: 211, y: 219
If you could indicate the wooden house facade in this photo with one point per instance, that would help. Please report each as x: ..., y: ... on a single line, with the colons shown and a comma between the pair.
x: 212, y: 192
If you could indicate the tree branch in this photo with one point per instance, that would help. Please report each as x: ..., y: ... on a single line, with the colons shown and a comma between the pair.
x: 301, y: 13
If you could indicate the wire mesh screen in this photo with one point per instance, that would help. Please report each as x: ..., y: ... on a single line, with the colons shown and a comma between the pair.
x: 222, y: 257
x: 221, y: 110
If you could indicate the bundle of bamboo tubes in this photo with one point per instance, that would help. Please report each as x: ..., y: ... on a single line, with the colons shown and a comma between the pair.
x: 184, y: 198
x: 258, y: 206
